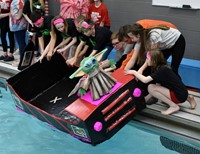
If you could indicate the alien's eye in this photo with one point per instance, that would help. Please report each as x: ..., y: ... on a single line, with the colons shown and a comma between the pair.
x: 94, y: 60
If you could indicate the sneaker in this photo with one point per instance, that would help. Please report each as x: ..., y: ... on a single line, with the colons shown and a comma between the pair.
x: 16, y: 52
x: 8, y: 58
x: 2, y: 57
x: 152, y: 100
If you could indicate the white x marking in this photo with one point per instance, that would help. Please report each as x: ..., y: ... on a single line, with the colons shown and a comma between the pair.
x: 55, y: 100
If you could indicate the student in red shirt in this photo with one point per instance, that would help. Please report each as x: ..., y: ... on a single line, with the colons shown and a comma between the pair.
x: 98, y: 13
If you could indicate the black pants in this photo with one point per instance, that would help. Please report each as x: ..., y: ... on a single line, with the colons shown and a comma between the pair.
x: 4, y: 25
x: 177, y: 52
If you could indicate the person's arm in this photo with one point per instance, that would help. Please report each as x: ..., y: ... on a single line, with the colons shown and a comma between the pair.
x: 3, y: 15
x: 44, y: 53
x: 73, y: 41
x: 104, y: 16
x: 41, y: 44
x: 51, y: 46
x: 132, y: 61
x: 64, y: 41
x: 93, y: 52
x: 144, y: 79
x: 134, y: 57
x: 28, y: 19
x: 78, y: 50
x: 82, y: 53
x: 143, y: 67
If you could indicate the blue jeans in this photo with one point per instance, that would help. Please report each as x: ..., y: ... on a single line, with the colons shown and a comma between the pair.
x: 20, y: 37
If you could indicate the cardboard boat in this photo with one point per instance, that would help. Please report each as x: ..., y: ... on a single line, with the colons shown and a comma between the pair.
x: 42, y: 90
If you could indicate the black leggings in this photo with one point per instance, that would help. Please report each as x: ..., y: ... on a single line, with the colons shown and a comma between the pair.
x: 177, y: 52
x: 4, y: 30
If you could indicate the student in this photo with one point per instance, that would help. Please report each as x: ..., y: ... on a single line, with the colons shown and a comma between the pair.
x: 43, y: 31
x: 132, y: 58
x: 4, y: 26
x: 98, y: 13
x: 67, y: 29
x: 170, y: 41
x: 39, y: 6
x: 19, y: 9
x: 120, y: 49
x: 99, y: 36
x: 84, y: 46
x: 168, y: 88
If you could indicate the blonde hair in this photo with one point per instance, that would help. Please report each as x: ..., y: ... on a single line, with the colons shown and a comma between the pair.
x: 114, y: 35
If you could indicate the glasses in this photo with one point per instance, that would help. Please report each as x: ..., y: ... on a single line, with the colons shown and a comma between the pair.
x: 116, y: 43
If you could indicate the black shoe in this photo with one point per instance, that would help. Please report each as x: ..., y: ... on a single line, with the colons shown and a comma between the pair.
x: 2, y: 57
x: 8, y: 58
x: 151, y: 101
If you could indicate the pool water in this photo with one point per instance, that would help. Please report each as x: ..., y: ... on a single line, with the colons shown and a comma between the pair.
x: 21, y: 133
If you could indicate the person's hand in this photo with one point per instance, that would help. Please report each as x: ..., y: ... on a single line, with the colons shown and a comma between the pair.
x: 71, y: 61
x: 40, y: 59
x: 60, y: 50
x: 55, y: 50
x: 49, y: 55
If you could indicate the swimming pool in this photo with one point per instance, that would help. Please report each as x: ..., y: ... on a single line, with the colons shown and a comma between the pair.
x: 21, y: 133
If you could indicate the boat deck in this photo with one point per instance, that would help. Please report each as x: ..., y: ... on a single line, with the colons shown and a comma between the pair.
x: 186, y: 122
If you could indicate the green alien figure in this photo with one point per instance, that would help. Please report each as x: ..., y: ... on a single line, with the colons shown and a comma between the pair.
x: 94, y: 77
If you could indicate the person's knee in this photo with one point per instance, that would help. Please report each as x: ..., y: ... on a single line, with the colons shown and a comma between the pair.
x: 151, y: 88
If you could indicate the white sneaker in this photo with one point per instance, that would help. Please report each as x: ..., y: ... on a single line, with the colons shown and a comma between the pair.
x: 16, y: 52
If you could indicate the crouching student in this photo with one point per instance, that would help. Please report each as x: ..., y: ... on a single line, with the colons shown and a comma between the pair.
x: 98, y: 36
x: 168, y: 87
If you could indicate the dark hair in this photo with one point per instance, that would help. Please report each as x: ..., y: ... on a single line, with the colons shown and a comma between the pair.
x: 123, y: 32
x: 35, y: 15
x: 137, y: 29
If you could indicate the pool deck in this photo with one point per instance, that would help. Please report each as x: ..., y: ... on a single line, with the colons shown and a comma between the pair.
x: 185, y: 123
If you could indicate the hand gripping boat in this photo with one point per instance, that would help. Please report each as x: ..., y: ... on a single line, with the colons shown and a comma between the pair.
x: 43, y: 88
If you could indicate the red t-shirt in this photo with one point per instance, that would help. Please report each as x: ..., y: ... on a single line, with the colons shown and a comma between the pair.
x: 5, y: 6
x: 99, y: 14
